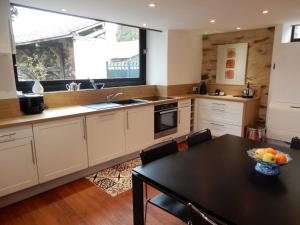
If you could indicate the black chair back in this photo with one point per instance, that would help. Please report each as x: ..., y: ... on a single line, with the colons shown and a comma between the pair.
x: 295, y: 143
x: 199, y: 137
x: 199, y: 218
x: 158, y: 151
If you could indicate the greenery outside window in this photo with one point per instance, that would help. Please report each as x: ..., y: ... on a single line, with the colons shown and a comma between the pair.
x: 63, y: 48
x: 295, y: 33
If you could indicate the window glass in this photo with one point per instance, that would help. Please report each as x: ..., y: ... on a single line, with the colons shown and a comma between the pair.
x: 53, y: 47
x: 296, y: 32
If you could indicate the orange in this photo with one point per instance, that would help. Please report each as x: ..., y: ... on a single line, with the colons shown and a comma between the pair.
x: 280, y: 158
x: 271, y: 150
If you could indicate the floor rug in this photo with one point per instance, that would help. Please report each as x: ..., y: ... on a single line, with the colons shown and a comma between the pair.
x: 116, y: 179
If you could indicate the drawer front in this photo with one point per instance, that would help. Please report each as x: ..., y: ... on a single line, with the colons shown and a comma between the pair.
x: 220, y: 116
x: 9, y: 134
x: 221, y: 111
x: 184, y: 103
x: 218, y: 129
x: 227, y: 106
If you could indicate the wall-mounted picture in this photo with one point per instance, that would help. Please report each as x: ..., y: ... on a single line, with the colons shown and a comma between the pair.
x: 231, y: 63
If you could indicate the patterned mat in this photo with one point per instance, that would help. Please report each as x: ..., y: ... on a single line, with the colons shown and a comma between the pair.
x: 116, y: 179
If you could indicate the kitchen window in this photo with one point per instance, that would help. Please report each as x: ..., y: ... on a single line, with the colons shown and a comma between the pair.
x: 295, y: 33
x: 58, y: 48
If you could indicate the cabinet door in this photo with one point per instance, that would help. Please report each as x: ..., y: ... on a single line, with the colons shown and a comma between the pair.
x: 139, y: 128
x: 184, y: 121
x: 17, y: 165
x: 60, y: 148
x: 106, y: 137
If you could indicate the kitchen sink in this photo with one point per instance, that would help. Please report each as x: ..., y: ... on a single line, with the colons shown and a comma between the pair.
x: 130, y: 101
x: 99, y: 106
x: 115, y: 104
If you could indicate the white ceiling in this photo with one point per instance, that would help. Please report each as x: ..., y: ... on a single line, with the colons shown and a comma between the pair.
x: 181, y: 14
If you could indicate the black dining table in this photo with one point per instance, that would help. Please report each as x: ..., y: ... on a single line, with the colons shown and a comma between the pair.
x: 219, y: 178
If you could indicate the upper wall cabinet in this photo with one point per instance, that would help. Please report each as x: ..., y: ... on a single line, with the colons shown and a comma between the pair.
x: 5, y: 28
x: 60, y: 147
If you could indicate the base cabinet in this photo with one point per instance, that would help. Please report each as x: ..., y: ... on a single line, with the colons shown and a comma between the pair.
x: 60, y: 148
x: 105, y: 136
x: 139, y: 128
x: 17, y: 165
x: 184, y: 118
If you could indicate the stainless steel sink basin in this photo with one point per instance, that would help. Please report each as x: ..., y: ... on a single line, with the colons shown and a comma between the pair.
x: 130, y: 101
x: 116, y: 104
x: 99, y: 106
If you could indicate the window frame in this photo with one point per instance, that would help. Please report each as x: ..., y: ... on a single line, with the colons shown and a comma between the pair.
x: 60, y: 85
x: 293, y: 39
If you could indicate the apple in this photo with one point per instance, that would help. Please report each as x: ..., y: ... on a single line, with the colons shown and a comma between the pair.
x: 259, y: 153
x: 280, y: 158
x: 269, y: 157
x: 271, y: 150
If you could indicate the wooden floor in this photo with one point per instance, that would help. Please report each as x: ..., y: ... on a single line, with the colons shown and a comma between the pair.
x: 79, y: 203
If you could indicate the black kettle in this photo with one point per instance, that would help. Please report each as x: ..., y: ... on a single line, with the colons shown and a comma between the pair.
x: 248, y: 92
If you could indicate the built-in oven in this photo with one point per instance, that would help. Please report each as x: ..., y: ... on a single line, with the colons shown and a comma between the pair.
x: 165, y: 119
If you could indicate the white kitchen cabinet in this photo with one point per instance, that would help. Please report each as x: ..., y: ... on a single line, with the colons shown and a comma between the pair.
x: 5, y: 37
x: 139, y: 128
x: 60, y: 147
x: 17, y: 160
x: 221, y: 117
x: 105, y: 136
x: 184, y: 117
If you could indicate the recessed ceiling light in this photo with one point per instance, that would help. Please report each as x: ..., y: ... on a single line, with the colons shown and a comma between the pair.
x: 265, y: 12
x: 144, y: 25
x: 152, y: 5
x: 238, y: 28
x: 212, y: 21
x: 63, y: 10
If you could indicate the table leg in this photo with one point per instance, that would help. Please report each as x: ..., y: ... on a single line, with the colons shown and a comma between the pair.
x: 137, y: 200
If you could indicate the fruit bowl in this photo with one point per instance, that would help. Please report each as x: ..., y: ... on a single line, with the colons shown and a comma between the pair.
x: 268, y: 168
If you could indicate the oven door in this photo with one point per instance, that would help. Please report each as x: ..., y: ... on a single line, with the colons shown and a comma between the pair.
x: 165, y: 123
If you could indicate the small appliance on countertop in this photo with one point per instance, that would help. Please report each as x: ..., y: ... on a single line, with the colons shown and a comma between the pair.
x: 31, y: 103
x: 248, y: 92
x: 202, y: 88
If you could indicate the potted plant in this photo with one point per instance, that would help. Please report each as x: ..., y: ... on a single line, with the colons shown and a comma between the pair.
x: 34, y: 69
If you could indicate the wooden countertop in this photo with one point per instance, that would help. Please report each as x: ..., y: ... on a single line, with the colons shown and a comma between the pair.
x: 73, y: 111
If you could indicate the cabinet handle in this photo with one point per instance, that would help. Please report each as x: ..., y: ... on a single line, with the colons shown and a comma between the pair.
x: 106, y: 115
x: 295, y: 107
x: 8, y: 140
x: 221, y: 110
x: 216, y: 124
x: 32, y: 152
x: 7, y: 135
x: 84, y: 128
x: 127, y: 120
x: 218, y: 103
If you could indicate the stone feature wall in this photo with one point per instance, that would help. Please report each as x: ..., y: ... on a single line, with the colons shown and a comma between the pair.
x: 259, y: 58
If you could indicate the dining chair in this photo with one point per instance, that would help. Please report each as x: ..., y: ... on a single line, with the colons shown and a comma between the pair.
x: 162, y: 200
x: 197, y: 217
x: 199, y: 137
x: 295, y: 143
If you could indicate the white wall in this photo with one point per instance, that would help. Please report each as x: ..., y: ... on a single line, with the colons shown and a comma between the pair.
x: 157, y: 58
x: 7, y: 80
x: 285, y: 78
x: 174, y: 57
x: 184, y: 57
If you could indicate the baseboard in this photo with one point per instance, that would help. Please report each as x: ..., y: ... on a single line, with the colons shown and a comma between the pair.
x: 40, y: 188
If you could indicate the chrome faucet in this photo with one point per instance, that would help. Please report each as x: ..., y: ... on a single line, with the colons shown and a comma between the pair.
x: 109, y: 98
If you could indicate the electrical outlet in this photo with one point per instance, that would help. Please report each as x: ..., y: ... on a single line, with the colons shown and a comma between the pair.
x: 195, y: 89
